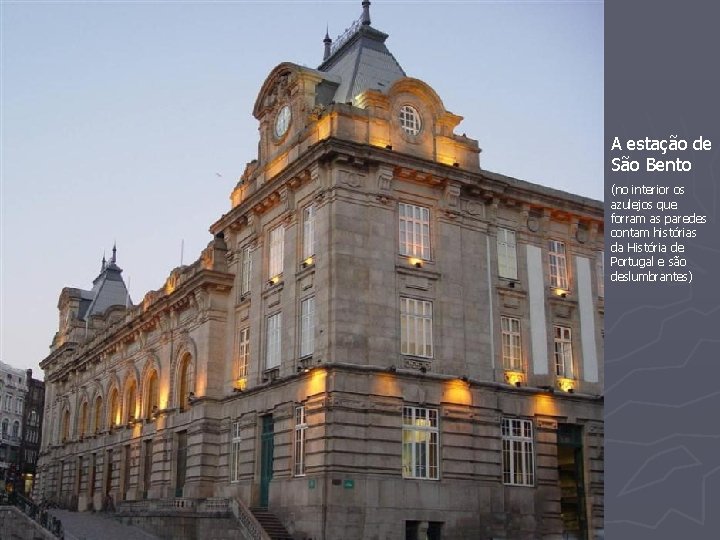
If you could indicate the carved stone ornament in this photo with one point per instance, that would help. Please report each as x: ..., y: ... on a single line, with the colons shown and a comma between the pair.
x: 533, y: 223
x: 349, y: 178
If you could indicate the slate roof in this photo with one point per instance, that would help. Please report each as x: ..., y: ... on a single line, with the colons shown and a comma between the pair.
x: 108, y: 290
x: 362, y: 62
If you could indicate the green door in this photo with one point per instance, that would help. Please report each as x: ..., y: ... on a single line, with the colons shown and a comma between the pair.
x: 267, y: 447
x: 572, y: 482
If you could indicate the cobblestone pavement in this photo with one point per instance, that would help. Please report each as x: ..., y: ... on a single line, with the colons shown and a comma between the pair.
x: 89, y: 526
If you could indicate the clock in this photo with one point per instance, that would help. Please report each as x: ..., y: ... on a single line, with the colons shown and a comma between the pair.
x: 282, y: 121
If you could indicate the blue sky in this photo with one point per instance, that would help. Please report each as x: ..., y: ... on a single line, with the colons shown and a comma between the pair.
x: 132, y: 121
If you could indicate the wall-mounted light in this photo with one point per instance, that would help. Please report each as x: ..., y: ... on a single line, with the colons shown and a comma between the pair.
x: 274, y: 280
x: 191, y: 398
x: 388, y: 146
x: 511, y: 284
x: 414, y: 261
x: 308, y: 262
x: 392, y: 369
x: 514, y: 378
x: 423, y: 369
x: 548, y: 389
x: 562, y: 293
x: 456, y: 164
x: 566, y: 385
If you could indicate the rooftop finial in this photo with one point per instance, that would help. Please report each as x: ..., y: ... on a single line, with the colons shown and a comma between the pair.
x: 104, y: 262
x: 114, y: 256
x: 366, y: 12
x: 327, y: 41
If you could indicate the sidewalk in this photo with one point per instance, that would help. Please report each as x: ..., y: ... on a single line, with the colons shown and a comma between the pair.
x: 89, y: 526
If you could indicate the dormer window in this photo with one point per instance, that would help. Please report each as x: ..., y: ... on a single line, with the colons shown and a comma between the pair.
x: 410, y: 120
x: 282, y: 121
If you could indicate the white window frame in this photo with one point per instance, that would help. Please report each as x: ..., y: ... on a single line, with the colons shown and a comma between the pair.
x: 557, y: 258
x: 243, y: 354
x: 600, y: 269
x: 299, y: 441
x: 19, y: 405
x: 308, y: 249
x: 277, y: 247
x: 511, y: 343
x: 518, y: 452
x: 410, y: 120
x: 507, y: 253
x: 416, y: 327
x: 307, y: 326
x: 414, y: 230
x: 235, y: 451
x: 273, y: 342
x: 421, y: 443
x: 563, y: 352
x: 246, y: 270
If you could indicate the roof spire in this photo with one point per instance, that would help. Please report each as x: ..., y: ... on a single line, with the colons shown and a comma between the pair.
x: 114, y: 255
x: 327, y: 41
x: 104, y: 262
x: 366, y: 13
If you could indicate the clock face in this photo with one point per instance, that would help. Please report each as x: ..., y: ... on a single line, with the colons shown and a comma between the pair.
x: 282, y: 121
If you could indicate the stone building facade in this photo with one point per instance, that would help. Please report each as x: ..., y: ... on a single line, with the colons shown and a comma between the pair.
x: 13, y: 387
x: 382, y: 338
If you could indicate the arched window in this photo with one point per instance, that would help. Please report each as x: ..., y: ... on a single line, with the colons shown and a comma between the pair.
x: 185, y: 382
x: 114, y: 408
x: 33, y: 418
x: 66, y: 426
x: 151, y: 395
x: 16, y: 430
x: 130, y: 401
x: 5, y: 427
x: 82, y: 428
x: 98, y: 414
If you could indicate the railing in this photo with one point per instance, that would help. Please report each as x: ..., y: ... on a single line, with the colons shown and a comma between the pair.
x: 212, y: 505
x: 39, y: 514
x: 247, y: 521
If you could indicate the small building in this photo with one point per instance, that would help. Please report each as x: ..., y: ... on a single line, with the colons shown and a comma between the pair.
x: 13, y: 388
x: 382, y: 339
x: 31, y: 431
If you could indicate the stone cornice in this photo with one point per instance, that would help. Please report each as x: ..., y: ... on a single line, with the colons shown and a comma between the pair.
x: 485, y: 185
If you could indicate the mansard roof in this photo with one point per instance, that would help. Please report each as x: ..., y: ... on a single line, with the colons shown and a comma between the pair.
x: 108, y: 290
x: 362, y: 62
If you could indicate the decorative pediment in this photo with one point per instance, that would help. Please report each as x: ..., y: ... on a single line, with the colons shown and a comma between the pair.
x: 276, y: 88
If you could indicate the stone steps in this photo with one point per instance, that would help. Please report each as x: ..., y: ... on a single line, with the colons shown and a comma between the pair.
x: 272, y: 525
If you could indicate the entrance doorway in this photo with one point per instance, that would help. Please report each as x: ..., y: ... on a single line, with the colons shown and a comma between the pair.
x: 572, y: 482
x: 267, y: 449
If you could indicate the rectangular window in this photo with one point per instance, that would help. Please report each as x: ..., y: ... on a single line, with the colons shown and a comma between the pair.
x: 300, y: 429
x: 511, y: 344
x: 507, y: 254
x: 518, y: 452
x: 246, y: 271
x: 277, y: 241
x: 600, y: 268
x: 235, y: 452
x: 563, y: 352
x: 273, y: 341
x: 558, y: 265
x: 415, y: 231
x: 420, y: 454
x: 8, y: 403
x: 19, y: 406
x: 308, y: 232
x: 307, y: 326
x: 243, y: 352
x: 416, y: 327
